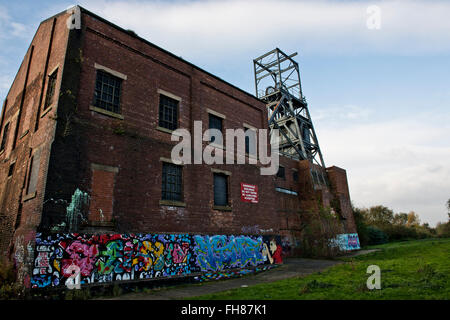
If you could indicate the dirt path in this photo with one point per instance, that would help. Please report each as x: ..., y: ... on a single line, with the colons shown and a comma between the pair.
x: 291, y: 268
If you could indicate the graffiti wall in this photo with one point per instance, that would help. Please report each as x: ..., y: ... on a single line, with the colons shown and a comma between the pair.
x: 348, y: 241
x: 118, y: 257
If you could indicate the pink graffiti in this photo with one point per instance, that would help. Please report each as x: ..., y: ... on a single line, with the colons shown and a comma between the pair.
x: 42, y: 260
x: 81, y: 255
x: 179, y: 252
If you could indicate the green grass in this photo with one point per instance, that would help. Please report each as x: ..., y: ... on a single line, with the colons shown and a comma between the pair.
x: 409, y: 270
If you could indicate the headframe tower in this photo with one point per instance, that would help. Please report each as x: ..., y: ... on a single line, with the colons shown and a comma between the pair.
x: 277, y: 82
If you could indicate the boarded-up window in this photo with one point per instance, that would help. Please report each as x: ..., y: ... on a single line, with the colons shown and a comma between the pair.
x: 50, y: 89
x: 4, y: 137
x: 101, y: 204
x: 220, y: 189
x: 33, y: 172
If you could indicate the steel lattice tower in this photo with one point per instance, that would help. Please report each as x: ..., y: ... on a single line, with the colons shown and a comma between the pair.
x: 277, y: 82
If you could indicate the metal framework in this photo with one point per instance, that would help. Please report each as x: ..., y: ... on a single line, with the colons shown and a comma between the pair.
x: 277, y: 82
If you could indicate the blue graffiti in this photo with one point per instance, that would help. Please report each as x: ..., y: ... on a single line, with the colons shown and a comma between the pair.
x: 220, y: 252
x: 347, y: 241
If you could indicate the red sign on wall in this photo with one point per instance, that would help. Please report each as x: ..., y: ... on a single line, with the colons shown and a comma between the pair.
x: 249, y: 193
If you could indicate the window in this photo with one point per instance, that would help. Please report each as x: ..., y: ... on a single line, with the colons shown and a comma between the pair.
x: 101, y: 203
x: 281, y: 172
x: 171, y: 182
x: 220, y: 189
x: 5, y: 137
x: 247, y: 144
x: 50, y: 89
x: 250, y: 141
x: 33, y: 172
x: 287, y: 191
x: 11, y: 169
x: 168, y: 112
x: 295, y: 176
x: 318, y: 178
x: 215, y: 122
x: 107, y: 92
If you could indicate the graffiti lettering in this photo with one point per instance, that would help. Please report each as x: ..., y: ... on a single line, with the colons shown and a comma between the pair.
x: 122, y: 257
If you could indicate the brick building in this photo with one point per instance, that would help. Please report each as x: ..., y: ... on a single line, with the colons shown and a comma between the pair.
x: 93, y: 109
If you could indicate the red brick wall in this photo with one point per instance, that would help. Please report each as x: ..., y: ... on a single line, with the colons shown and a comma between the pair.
x: 20, y: 213
x: 71, y: 138
x: 101, y: 204
x: 339, y: 186
x: 135, y: 146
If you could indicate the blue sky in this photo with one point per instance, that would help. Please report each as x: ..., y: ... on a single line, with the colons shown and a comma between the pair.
x: 379, y: 98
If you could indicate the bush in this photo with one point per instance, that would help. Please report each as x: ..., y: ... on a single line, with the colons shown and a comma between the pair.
x: 319, y: 228
x: 9, y: 289
x: 361, y: 227
x: 376, y: 236
x: 443, y: 230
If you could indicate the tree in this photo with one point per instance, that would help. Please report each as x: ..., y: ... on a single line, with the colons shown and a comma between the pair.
x: 413, y: 219
x: 400, y: 219
x: 380, y: 216
x: 448, y: 208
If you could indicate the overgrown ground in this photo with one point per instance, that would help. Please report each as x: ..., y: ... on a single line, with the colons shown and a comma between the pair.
x: 417, y: 269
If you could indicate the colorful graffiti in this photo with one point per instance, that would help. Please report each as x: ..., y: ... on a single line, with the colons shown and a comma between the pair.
x: 221, y: 252
x: 273, y: 252
x: 119, y: 257
x: 347, y: 241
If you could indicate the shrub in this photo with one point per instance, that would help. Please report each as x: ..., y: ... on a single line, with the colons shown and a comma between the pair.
x: 319, y: 228
x: 376, y: 235
x: 9, y: 289
x: 443, y: 230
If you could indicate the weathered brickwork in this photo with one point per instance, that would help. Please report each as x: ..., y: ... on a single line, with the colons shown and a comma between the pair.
x: 117, y: 159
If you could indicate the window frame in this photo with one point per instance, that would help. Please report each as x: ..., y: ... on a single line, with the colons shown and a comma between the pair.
x: 51, y: 89
x: 4, y: 140
x: 164, y: 183
x: 247, y: 139
x: 295, y: 176
x: 218, y: 119
x: 36, y: 156
x: 227, y: 190
x: 283, y: 176
x: 96, y: 99
x: 162, y: 122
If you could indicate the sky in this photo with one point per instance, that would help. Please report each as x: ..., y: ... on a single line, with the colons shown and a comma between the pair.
x: 376, y: 76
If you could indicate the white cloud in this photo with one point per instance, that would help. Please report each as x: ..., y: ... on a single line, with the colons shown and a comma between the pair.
x: 11, y: 29
x: 400, y: 163
x: 205, y: 28
x: 19, y: 30
x: 338, y: 113
x: 5, y: 82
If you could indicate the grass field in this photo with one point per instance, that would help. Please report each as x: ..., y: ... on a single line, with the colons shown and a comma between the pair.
x: 409, y: 270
